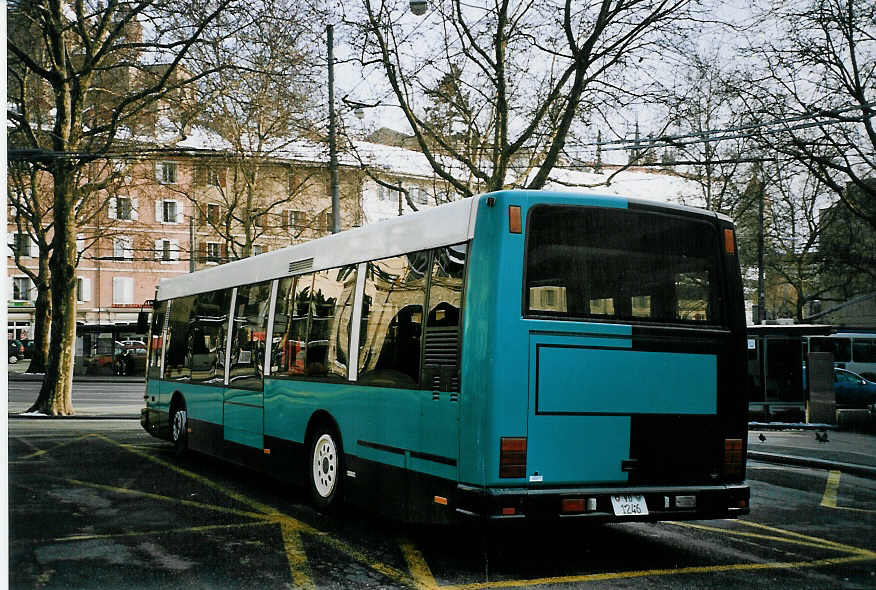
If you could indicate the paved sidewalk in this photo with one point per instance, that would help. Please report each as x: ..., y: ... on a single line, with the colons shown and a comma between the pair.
x: 843, y: 451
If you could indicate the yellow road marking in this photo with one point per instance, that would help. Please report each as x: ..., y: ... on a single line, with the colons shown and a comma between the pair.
x: 417, y: 565
x: 299, y: 568
x: 731, y: 532
x: 194, y: 529
x: 830, y: 489
x: 830, y: 494
x: 824, y: 542
x: 151, y: 496
x: 708, y: 569
x: 42, y: 452
x: 283, y: 519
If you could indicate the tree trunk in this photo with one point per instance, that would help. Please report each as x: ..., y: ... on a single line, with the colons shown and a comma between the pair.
x: 42, y: 318
x: 55, y: 397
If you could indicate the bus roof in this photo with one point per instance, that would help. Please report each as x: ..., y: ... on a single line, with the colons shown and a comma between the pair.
x: 452, y: 223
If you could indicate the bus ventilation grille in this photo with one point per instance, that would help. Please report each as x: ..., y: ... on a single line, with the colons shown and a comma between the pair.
x: 301, y: 265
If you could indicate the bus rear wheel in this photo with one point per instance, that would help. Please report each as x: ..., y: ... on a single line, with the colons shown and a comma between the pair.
x: 179, y: 434
x: 326, y: 462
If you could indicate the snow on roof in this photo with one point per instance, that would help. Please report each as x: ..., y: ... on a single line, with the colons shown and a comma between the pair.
x: 634, y: 183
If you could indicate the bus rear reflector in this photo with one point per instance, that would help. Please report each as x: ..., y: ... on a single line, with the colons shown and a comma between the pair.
x: 515, y: 225
x: 729, y: 242
x: 574, y: 505
x: 733, y: 458
x: 512, y: 456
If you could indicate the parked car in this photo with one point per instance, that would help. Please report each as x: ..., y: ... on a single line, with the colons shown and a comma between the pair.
x: 16, y: 351
x: 852, y: 390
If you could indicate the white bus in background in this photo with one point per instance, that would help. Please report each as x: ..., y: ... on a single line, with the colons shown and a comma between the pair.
x: 855, y: 351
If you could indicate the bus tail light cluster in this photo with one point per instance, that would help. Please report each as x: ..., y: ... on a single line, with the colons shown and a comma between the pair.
x: 512, y: 456
x: 733, y: 458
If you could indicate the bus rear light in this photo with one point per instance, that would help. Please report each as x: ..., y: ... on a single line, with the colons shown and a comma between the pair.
x: 440, y: 500
x: 515, y: 224
x: 512, y: 456
x: 509, y: 511
x: 733, y: 458
x: 729, y: 242
x: 574, y: 505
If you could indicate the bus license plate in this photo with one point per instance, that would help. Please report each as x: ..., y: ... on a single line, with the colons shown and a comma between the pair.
x: 629, y: 505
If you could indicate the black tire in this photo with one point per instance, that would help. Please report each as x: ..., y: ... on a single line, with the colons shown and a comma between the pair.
x: 179, y: 428
x: 325, y: 467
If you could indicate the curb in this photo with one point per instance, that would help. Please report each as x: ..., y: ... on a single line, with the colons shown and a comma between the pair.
x: 74, y: 417
x: 854, y: 468
x: 117, y: 379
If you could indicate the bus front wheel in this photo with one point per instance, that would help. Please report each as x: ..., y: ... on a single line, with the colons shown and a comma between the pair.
x: 326, y: 459
x: 179, y: 435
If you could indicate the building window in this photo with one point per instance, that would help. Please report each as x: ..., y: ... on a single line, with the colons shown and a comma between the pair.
x: 166, y: 172
x: 213, y: 213
x: 325, y: 220
x: 168, y: 214
x: 83, y: 289
x: 257, y: 249
x: 21, y: 245
x: 167, y: 250
x: 124, y: 208
x: 420, y: 196
x: 212, y: 252
x: 21, y: 289
x: 215, y: 176
x: 295, y: 219
x: 123, y: 248
x: 123, y: 290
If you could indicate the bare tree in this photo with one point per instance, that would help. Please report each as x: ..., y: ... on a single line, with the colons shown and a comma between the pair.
x: 492, y: 94
x: 258, y: 103
x: 814, y: 90
x: 103, y: 68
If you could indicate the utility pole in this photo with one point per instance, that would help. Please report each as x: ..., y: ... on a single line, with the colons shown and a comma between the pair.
x: 761, y: 297
x: 191, y: 244
x: 333, y: 148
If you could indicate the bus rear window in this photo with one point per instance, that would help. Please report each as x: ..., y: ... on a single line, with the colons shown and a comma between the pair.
x: 618, y: 264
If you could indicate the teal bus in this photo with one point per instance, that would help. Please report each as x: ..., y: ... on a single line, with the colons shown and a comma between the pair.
x: 519, y: 355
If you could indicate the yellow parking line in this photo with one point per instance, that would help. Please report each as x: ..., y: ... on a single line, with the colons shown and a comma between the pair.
x: 830, y: 489
x: 299, y: 568
x: 825, y: 542
x: 817, y: 544
x: 194, y: 529
x: 659, y: 573
x: 42, y: 452
x: 284, y: 520
x: 417, y: 565
x: 190, y: 503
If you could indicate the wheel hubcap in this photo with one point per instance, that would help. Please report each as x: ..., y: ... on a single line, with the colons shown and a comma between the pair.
x: 179, y: 424
x: 325, y: 465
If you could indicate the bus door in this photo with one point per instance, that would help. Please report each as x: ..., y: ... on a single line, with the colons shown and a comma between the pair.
x: 243, y: 397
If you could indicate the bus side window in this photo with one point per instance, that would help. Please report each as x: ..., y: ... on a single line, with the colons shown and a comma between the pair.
x: 289, y: 346
x: 175, y: 357
x: 248, y: 336
x: 389, y: 339
x: 156, y: 340
x: 209, y: 323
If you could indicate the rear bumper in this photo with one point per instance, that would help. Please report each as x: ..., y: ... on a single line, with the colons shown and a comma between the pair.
x: 664, y: 503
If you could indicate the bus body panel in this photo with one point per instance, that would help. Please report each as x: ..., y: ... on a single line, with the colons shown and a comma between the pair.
x: 593, y: 377
x: 244, y: 417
